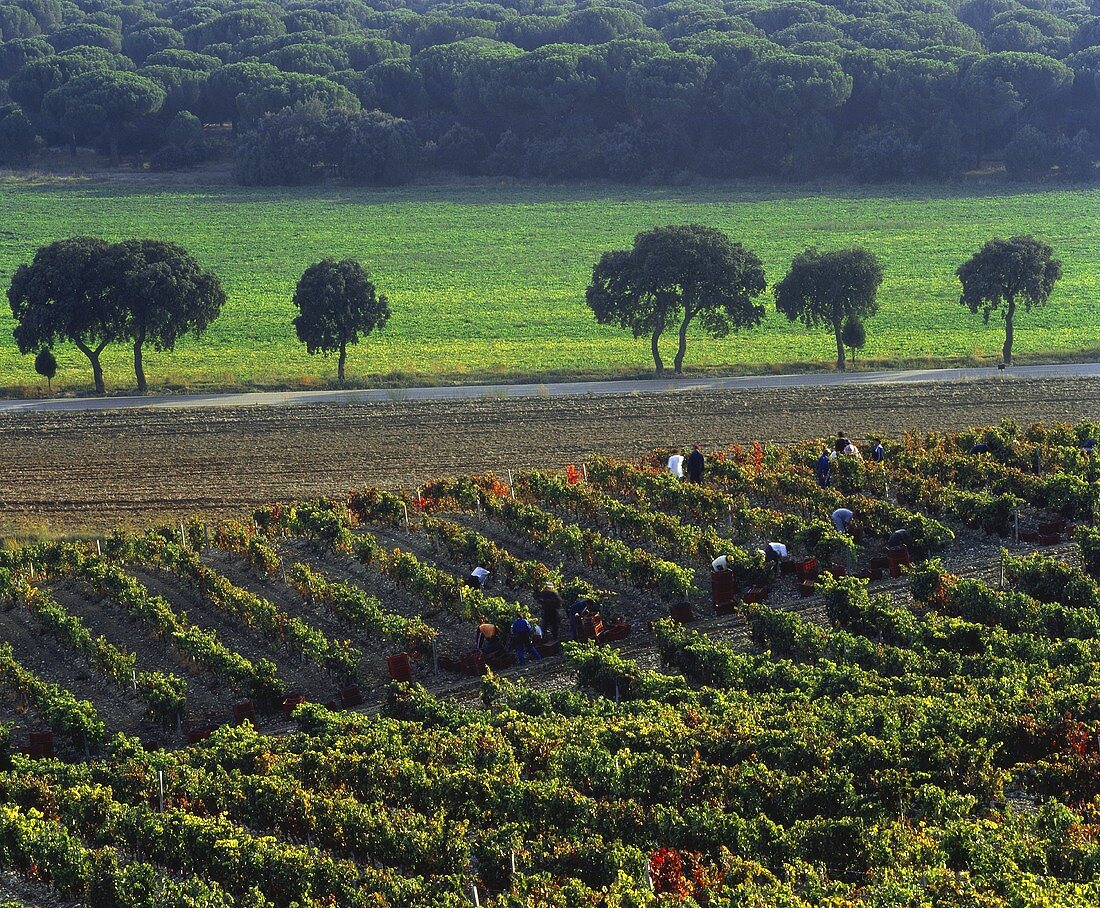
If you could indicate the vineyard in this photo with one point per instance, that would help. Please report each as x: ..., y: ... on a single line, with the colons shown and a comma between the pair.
x: 286, y: 710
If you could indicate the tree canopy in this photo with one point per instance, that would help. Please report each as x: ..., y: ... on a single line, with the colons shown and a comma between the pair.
x: 563, y: 89
x: 678, y: 273
x: 830, y: 288
x: 102, y: 103
x: 337, y: 303
x: 1004, y: 273
x: 162, y: 294
x: 91, y: 293
x: 62, y: 296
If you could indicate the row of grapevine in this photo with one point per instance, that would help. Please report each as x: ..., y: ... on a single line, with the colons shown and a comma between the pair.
x: 164, y: 693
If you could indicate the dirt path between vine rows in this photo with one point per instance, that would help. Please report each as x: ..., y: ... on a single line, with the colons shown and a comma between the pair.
x: 66, y: 472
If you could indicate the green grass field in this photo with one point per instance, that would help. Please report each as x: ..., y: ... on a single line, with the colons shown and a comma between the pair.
x: 488, y: 282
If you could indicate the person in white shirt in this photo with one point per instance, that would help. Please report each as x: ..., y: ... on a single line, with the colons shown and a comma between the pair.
x: 676, y: 464
x: 721, y: 563
x: 852, y: 451
x: 842, y: 519
x: 478, y: 576
x: 774, y: 553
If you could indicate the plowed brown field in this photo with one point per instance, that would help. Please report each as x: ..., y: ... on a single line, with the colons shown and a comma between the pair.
x: 70, y: 471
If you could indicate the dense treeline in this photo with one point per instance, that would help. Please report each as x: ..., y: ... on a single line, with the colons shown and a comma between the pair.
x: 374, y: 90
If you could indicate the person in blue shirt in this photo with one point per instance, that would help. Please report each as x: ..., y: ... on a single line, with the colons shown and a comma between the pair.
x: 821, y: 471
x: 877, y: 452
x: 521, y: 640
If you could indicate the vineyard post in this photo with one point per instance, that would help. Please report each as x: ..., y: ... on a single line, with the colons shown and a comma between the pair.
x: 1002, y: 583
x: 513, y: 863
x: 405, y: 508
x: 649, y: 875
x: 584, y: 470
x: 160, y: 784
x: 183, y: 535
x: 98, y: 549
x: 477, y: 898
x: 133, y: 675
x: 617, y: 693
x: 511, y: 489
x: 1015, y: 526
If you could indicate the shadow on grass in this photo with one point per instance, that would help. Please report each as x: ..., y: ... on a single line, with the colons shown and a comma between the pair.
x: 399, y: 382
x: 217, y: 185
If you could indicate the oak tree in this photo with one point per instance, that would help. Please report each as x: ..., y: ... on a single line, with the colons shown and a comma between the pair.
x: 62, y: 296
x: 337, y: 302
x: 678, y: 273
x: 829, y: 288
x: 1004, y: 273
x: 161, y: 293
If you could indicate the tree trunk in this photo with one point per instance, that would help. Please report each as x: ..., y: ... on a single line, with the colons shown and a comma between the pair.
x: 97, y: 369
x: 342, y: 360
x: 112, y: 139
x: 1007, y: 351
x: 139, y: 369
x: 678, y: 363
x: 72, y: 144
x: 839, y: 346
x: 657, y: 361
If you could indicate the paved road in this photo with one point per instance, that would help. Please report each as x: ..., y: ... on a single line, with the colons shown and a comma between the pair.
x: 556, y: 389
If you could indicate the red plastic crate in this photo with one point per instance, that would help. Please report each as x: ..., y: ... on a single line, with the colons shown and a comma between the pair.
x: 399, y: 667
